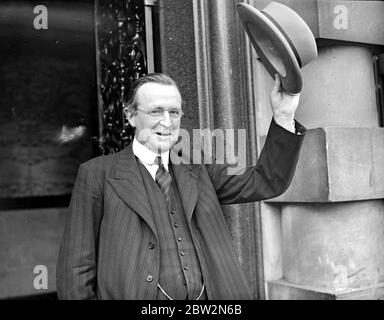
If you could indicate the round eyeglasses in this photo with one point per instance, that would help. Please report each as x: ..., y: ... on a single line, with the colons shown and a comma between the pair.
x: 159, y: 113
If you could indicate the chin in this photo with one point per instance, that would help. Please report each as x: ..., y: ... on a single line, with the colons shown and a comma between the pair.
x: 162, y: 146
x: 155, y: 143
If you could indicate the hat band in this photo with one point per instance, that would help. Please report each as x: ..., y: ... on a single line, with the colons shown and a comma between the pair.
x: 285, y: 36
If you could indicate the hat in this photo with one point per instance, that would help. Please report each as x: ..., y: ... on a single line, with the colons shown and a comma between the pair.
x: 282, y: 39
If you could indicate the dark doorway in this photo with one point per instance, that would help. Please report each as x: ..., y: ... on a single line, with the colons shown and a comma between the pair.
x: 48, y: 101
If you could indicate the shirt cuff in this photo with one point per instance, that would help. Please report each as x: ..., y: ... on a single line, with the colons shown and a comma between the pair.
x: 295, y: 127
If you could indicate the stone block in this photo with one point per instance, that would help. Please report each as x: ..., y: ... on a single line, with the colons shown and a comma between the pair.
x: 283, y: 290
x: 29, y: 238
x: 334, y: 94
x: 334, y: 246
x: 338, y: 164
x: 356, y: 21
x: 272, y: 242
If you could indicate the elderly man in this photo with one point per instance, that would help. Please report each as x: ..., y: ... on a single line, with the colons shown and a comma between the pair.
x: 142, y: 227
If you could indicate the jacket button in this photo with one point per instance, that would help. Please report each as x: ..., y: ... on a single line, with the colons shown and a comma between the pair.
x: 151, y: 245
x: 149, y: 278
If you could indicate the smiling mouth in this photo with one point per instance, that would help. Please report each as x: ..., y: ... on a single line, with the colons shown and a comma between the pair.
x: 163, y: 134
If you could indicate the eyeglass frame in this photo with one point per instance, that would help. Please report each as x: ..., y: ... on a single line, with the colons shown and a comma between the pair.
x: 181, y: 113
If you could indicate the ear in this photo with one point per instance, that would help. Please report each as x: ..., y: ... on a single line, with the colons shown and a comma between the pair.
x: 130, y: 117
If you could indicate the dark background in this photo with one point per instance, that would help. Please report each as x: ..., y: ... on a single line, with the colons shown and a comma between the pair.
x: 48, y: 86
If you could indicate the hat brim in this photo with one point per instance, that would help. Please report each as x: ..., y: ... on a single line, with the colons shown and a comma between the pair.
x: 272, y: 48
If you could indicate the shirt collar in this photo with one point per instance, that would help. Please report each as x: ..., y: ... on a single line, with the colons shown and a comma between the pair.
x: 146, y: 155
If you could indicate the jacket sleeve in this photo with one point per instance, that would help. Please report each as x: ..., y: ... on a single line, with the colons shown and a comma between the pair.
x: 76, y: 267
x: 271, y: 175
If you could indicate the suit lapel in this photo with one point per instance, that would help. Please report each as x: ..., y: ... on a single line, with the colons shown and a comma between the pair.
x: 129, y: 186
x: 186, y: 177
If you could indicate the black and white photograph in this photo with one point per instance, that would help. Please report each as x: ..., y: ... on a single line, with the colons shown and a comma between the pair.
x: 192, y: 150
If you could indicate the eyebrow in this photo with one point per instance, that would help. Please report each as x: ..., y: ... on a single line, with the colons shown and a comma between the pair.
x: 162, y: 108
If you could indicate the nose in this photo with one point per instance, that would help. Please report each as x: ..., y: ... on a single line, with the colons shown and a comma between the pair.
x: 166, y: 119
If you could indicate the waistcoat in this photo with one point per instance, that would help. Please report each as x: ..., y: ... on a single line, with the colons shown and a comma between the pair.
x: 180, y: 274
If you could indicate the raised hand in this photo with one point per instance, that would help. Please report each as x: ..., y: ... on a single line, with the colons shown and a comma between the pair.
x: 284, y: 105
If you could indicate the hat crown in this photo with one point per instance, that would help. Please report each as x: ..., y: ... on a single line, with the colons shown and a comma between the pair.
x: 294, y: 29
x: 282, y: 40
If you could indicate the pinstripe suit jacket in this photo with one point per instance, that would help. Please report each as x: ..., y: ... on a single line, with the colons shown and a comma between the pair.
x: 104, y: 252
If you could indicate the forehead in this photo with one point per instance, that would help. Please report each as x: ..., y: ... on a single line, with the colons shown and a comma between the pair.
x: 156, y: 93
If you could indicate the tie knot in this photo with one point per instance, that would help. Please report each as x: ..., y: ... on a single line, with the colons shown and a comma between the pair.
x: 158, y: 161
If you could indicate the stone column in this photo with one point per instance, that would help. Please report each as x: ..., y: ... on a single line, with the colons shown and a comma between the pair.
x: 332, y: 216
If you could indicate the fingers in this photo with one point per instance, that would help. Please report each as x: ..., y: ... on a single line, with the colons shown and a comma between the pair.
x: 276, y: 85
x: 277, y: 88
x: 293, y: 94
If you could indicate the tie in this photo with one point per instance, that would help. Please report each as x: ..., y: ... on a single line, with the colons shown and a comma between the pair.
x: 163, y: 178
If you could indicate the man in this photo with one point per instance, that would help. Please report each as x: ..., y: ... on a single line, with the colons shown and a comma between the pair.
x: 141, y: 227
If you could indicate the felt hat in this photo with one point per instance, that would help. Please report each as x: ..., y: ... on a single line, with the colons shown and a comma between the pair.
x: 282, y: 39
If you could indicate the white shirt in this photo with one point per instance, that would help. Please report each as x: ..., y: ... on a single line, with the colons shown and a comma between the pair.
x: 148, y: 157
